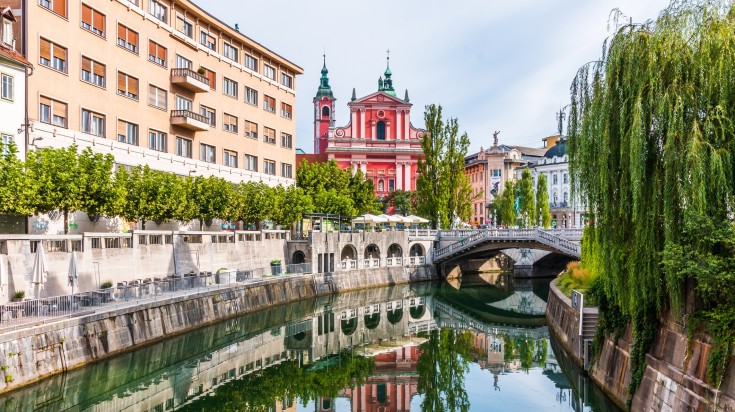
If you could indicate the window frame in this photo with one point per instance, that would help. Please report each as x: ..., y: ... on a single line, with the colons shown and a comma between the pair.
x: 204, y: 33
x: 229, y: 127
x: 185, y: 21
x: 92, y: 73
x: 233, y: 87
x: 249, y: 130
x: 249, y: 91
x: 267, y: 68
x: 266, y: 104
x: 287, y: 114
x: 207, y: 149
x: 157, y: 99
x: 92, y: 28
x: 52, y: 56
x: 288, y: 138
x: 126, y: 138
x: 267, y: 169
x: 189, y: 144
x: 209, y: 113
x: 289, y: 167
x: 250, y: 162
x: 227, y: 156
x: 155, y: 5
x: 227, y: 48
x: 11, y: 87
x: 285, y: 76
x: 7, y: 30
x: 127, y: 93
x: 51, y: 110
x: 153, y: 58
x: 158, y: 135
x: 53, y: 10
x: 93, y: 115
x: 266, y: 139
x: 250, y: 58
x: 126, y: 40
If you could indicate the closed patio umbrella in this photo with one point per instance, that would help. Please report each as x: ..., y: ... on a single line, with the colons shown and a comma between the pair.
x: 40, y: 267
x: 73, y: 272
x: 3, y: 275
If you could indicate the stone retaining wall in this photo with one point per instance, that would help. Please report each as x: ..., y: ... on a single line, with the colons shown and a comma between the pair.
x: 675, y: 376
x: 31, y: 354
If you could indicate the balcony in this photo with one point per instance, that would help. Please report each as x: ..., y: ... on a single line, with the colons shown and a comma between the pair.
x: 189, y: 120
x: 190, y: 79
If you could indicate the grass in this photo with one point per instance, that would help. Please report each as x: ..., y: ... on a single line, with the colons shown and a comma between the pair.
x: 576, y: 277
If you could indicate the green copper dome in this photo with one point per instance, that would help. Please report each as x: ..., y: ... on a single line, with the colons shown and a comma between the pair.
x: 386, y: 86
x: 324, y: 88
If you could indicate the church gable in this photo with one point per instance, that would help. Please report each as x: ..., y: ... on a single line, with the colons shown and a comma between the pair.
x: 379, y: 97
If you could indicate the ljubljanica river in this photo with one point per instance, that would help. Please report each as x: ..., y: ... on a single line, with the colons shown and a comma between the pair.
x: 481, y: 344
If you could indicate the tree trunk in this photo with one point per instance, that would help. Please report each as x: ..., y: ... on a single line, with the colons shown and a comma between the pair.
x: 142, y: 225
x: 66, y: 222
x: 201, y: 224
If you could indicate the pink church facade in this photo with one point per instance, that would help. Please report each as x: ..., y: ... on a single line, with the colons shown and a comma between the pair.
x: 379, y: 138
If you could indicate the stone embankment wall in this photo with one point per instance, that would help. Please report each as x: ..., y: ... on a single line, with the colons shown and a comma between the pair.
x: 676, y: 367
x: 31, y: 354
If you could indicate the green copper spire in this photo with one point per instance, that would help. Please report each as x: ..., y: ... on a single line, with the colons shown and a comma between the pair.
x: 388, y: 82
x: 324, y: 88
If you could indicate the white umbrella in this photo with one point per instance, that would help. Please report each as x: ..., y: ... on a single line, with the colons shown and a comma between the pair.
x: 73, y: 272
x: 3, y: 275
x: 368, y: 218
x: 417, y: 219
x: 40, y: 267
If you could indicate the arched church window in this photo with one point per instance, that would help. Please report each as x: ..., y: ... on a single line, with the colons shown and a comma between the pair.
x: 566, y: 197
x: 556, y: 198
x: 381, y: 130
x: 381, y: 186
x: 325, y: 111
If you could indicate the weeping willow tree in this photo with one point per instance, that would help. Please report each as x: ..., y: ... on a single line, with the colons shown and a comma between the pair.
x: 651, y: 141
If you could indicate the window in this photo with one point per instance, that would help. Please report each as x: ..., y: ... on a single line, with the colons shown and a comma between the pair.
x: 269, y: 167
x: 7, y: 87
x: 287, y: 80
x: 286, y: 140
x: 7, y: 32
x: 229, y: 87
x: 251, y: 63
x: 251, y: 163
x: 286, y: 110
x: 93, y: 20
x: 230, y: 123
x: 182, y: 103
x: 565, y: 178
x: 269, y: 104
x: 230, y: 52
x: 391, y: 185
x: 554, y: 179
x: 269, y: 135
x: 127, y: 85
x: 157, y: 140
x: 381, y: 130
x: 156, y: 53
x: 251, y: 129
x: 158, y: 10
x: 496, y: 172
x: 52, y: 55
x: 93, y: 72
x: 127, y: 132
x: 157, y: 97
x: 183, y: 147
x: 325, y: 111
x: 211, y: 76
x: 206, y: 153
x: 210, y: 114
x: 381, y: 186
x: 269, y: 72
x: 286, y: 170
x: 184, y: 26
x: 182, y: 62
x: 229, y: 158
x: 208, y: 40
x: 93, y: 123
x: 57, y: 6
x: 6, y: 139
x: 251, y: 96
x: 127, y: 38
x: 52, y: 112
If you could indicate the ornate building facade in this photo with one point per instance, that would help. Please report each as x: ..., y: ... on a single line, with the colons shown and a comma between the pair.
x: 379, y: 138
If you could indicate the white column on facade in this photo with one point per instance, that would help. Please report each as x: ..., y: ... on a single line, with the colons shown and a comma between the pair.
x: 363, y: 167
x: 387, y: 130
x: 353, y: 123
x: 372, y: 129
x: 362, y: 123
x: 406, y: 125
x: 407, y: 176
x: 399, y: 176
x: 399, y: 113
x: 353, y: 167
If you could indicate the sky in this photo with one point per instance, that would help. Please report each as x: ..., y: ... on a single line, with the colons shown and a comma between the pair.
x: 494, y: 65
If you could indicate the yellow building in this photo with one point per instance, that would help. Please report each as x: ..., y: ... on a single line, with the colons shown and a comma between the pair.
x: 162, y: 83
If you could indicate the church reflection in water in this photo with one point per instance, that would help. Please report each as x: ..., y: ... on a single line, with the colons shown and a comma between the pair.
x: 356, y: 351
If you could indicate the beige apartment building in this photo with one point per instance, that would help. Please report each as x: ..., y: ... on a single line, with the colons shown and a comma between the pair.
x: 162, y: 83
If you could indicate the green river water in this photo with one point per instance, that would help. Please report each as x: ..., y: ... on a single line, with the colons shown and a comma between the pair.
x: 481, y: 344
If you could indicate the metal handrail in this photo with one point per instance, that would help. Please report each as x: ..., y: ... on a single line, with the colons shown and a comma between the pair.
x: 190, y: 115
x: 190, y: 73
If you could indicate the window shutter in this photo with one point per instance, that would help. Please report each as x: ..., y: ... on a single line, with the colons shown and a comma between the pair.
x: 122, y: 128
x: 86, y: 64
x: 59, y: 108
x: 152, y: 49
x: 59, y: 6
x: 121, y: 83
x: 121, y: 31
x: 45, y: 101
x: 152, y: 95
x: 45, y: 49
x: 99, y: 22
x: 59, y: 52
x: 87, y: 14
x: 133, y: 37
x: 212, y: 76
x: 99, y: 69
x: 162, y: 101
x: 133, y: 85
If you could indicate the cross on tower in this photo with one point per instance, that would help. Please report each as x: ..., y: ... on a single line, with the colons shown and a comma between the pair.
x: 387, y: 52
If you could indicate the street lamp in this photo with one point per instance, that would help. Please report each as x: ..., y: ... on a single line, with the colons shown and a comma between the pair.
x: 192, y: 171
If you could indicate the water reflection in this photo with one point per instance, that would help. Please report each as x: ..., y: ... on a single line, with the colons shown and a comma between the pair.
x: 477, y: 345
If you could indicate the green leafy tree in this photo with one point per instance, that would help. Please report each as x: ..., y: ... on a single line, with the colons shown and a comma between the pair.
x: 506, y: 204
x: 362, y: 192
x: 58, y: 181
x: 528, y: 212
x: 542, y: 200
x: 210, y: 198
x: 99, y: 192
x: 403, y: 201
x: 333, y: 202
x: 443, y: 190
x: 651, y: 143
x: 153, y: 195
x: 254, y: 202
x: 290, y: 205
x: 16, y: 190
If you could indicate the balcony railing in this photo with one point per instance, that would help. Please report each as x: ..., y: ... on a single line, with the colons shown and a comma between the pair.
x: 190, y: 79
x: 189, y: 120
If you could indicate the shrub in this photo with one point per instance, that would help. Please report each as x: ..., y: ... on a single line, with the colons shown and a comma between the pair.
x: 106, y: 284
x: 19, y: 294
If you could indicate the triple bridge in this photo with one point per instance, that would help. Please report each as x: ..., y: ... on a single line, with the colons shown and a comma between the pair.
x: 458, y: 245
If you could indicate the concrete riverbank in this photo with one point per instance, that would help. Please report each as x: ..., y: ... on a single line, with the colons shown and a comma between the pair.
x: 676, y: 367
x: 31, y: 354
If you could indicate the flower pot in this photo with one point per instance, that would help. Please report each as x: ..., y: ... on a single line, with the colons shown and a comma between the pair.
x: 276, y: 269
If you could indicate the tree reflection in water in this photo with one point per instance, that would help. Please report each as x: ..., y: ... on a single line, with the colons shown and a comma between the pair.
x: 442, y: 367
